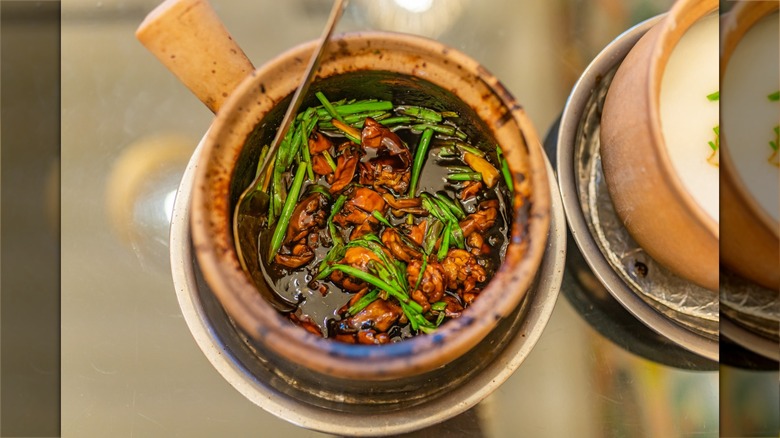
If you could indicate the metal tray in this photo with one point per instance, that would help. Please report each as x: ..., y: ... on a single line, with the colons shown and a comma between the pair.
x: 690, y: 331
x: 249, y: 373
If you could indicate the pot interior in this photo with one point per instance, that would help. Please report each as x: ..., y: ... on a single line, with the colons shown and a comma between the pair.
x: 382, y: 85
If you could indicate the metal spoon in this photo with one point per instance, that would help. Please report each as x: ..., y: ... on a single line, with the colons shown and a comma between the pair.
x: 248, y: 217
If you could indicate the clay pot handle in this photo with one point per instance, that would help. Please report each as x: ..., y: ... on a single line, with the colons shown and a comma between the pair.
x: 188, y: 37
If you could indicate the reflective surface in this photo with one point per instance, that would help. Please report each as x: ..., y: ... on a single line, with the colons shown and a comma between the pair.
x: 130, y: 366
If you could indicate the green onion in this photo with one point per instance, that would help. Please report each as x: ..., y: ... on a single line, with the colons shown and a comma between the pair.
x: 335, y: 253
x: 329, y: 159
x: 316, y: 188
x: 396, y: 120
x: 381, y: 218
x: 419, y: 159
x: 361, y: 117
x: 435, y: 228
x: 440, y: 318
x: 441, y: 129
x: 328, y: 106
x: 334, y: 235
x: 350, y: 132
x: 713, y: 96
x: 363, y: 106
x: 448, y: 151
x: 468, y: 148
x: 363, y: 302
x: 426, y: 114
x: 377, y: 282
x: 505, y: 169
x: 439, y: 306
x: 445, y: 242
x: 465, y: 176
x: 774, y: 97
x: 263, y: 154
x: 284, y: 217
x: 420, y: 275
x: 453, y: 206
x: 458, y: 169
x: 450, y: 114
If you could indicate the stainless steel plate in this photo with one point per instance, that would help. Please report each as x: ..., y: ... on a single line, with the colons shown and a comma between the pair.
x: 690, y: 331
x: 248, y: 372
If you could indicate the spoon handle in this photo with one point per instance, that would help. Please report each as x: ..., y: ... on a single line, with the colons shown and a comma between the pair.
x: 188, y: 37
x: 303, y: 88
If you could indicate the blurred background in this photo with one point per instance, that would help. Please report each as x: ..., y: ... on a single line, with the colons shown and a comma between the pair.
x: 129, y: 364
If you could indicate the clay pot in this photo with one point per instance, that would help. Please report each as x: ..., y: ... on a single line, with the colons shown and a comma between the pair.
x: 750, y: 245
x: 648, y: 195
x: 359, y: 65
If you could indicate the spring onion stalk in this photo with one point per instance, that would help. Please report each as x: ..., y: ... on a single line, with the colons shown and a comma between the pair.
x: 448, y: 151
x: 398, y: 120
x: 316, y: 188
x: 774, y: 97
x: 505, y: 169
x: 440, y: 318
x: 439, y: 306
x: 307, y: 159
x: 334, y: 235
x: 453, y: 206
x: 362, y: 106
x: 289, y: 206
x: 468, y: 148
x: 439, y: 129
x: 422, y: 271
x: 381, y: 219
x: 329, y: 159
x: 450, y: 114
x: 459, y: 169
x: 426, y: 114
x: 328, y: 106
x: 263, y: 154
x: 377, y: 282
x: 419, y: 159
x: 445, y: 242
x: 350, y: 132
x: 713, y: 97
x: 432, y: 235
x: 361, y: 117
x: 465, y: 176
x: 363, y: 302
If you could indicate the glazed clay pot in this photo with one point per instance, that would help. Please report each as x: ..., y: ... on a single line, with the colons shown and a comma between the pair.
x: 405, y: 69
x: 648, y: 195
x: 750, y: 245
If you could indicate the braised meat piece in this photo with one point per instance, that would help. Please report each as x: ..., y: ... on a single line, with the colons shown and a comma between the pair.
x: 462, y: 271
x: 386, y: 172
x: 307, y: 216
x: 482, y: 219
x: 318, y: 143
x: 376, y: 136
x: 346, y: 165
x: 400, y: 249
x: 380, y: 315
x: 358, y: 207
x: 320, y: 165
x: 359, y: 258
x: 431, y: 286
x: 470, y: 190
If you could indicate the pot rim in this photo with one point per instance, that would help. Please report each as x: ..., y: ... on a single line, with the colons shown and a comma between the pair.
x: 212, y: 233
x: 741, y: 18
x: 671, y: 28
